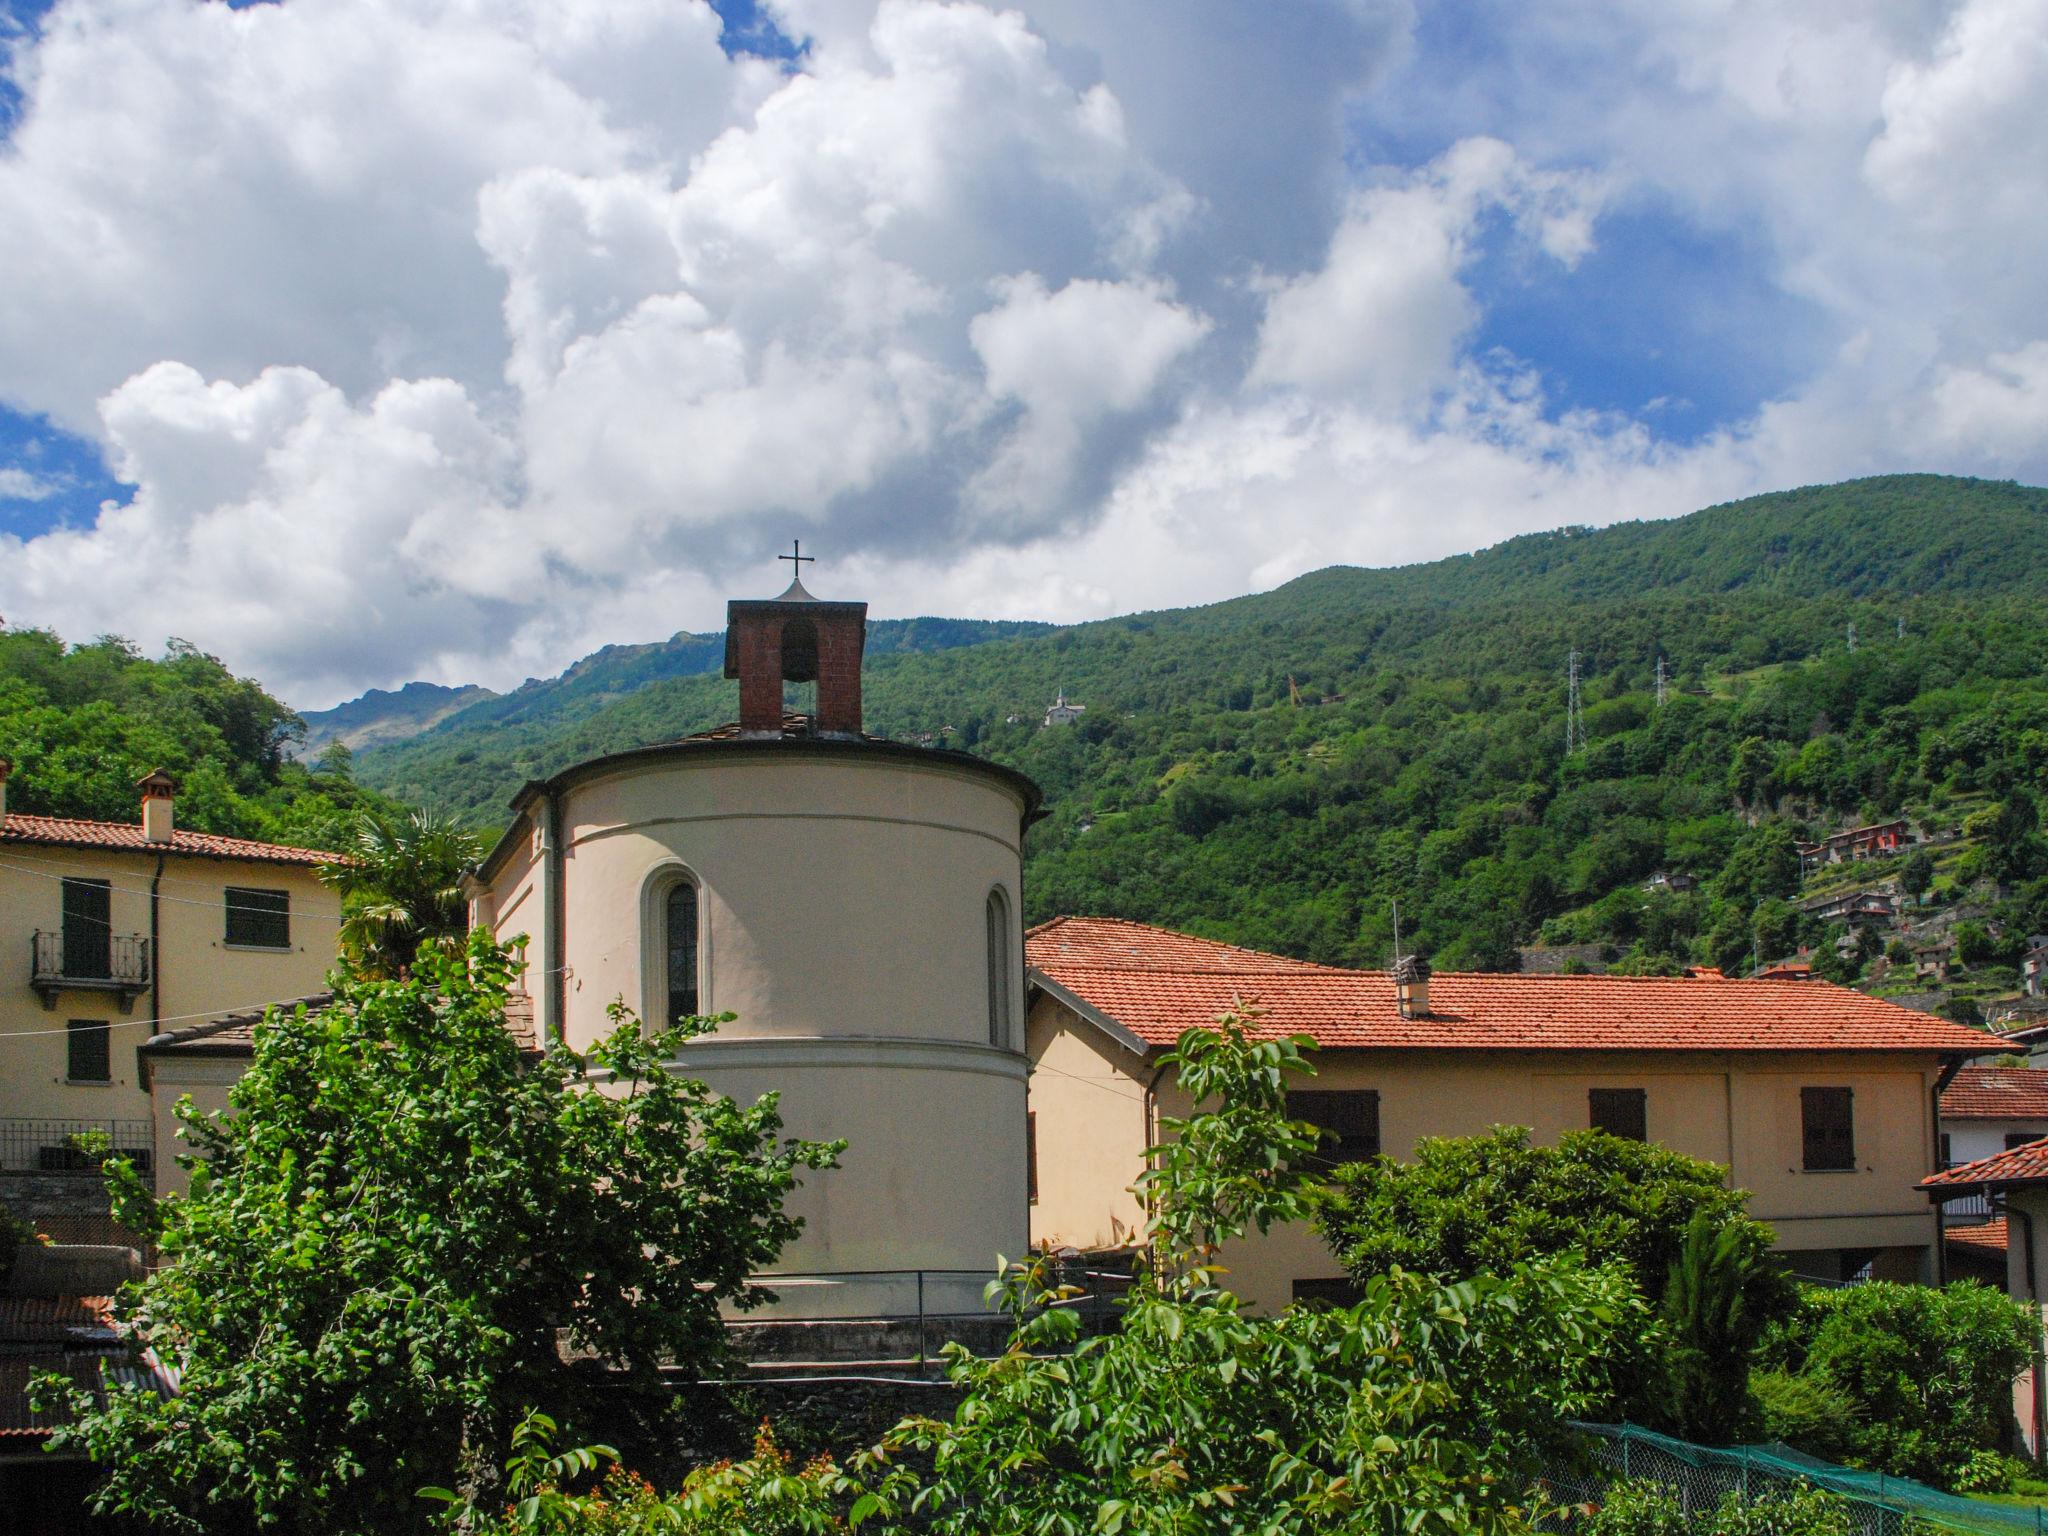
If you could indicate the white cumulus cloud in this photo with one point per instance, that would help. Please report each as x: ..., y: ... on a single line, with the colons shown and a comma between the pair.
x: 452, y: 338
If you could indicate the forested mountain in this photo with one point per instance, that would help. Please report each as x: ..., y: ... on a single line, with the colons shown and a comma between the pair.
x: 378, y: 716
x: 83, y: 723
x: 1280, y: 769
x: 542, y: 705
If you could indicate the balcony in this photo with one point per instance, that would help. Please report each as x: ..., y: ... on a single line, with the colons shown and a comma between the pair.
x: 70, y: 1146
x: 117, y: 963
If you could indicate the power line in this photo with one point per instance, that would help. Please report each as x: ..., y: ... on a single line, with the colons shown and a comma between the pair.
x: 143, y: 891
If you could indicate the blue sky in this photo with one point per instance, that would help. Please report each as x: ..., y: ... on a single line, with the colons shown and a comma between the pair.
x: 452, y: 341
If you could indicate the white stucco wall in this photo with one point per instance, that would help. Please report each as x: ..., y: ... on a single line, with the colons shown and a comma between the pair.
x: 842, y: 918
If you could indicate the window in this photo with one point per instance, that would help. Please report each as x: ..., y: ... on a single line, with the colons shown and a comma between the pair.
x: 998, y: 912
x: 1619, y: 1112
x: 1323, y: 1293
x: 88, y: 1060
x: 2019, y: 1139
x: 1031, y: 1154
x: 88, y: 929
x: 1828, y: 1128
x: 1946, y: 1160
x: 1349, y: 1121
x: 679, y: 931
x: 259, y: 919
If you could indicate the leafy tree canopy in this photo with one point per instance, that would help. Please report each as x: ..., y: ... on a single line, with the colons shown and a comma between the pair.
x: 83, y: 723
x: 391, y: 1237
x: 1480, y: 1205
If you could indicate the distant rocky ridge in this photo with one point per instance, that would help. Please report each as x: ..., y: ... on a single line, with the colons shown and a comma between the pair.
x: 380, y: 716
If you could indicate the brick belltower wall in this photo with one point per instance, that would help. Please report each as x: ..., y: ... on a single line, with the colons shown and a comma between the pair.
x: 754, y: 653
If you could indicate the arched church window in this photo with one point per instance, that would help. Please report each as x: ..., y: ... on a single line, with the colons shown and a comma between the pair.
x: 679, y: 934
x: 998, y: 969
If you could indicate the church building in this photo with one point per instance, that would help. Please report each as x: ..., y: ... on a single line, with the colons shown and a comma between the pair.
x: 854, y: 901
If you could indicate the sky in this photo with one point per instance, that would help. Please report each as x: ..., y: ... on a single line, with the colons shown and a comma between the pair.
x: 359, y: 341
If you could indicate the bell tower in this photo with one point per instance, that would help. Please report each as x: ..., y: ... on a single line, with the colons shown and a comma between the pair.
x: 795, y: 638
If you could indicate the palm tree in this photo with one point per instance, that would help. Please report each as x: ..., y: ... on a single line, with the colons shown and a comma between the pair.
x: 401, y: 887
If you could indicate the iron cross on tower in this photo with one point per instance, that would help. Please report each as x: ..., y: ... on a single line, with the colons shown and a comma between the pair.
x: 797, y: 559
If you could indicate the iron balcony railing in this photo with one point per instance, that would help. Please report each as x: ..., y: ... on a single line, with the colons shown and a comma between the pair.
x: 1973, y: 1209
x: 117, y: 962
x: 71, y: 1146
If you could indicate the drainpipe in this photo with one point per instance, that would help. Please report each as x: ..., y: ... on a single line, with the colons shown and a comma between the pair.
x: 156, y: 956
x: 156, y: 968
x: 557, y: 993
x: 1947, y: 1075
x: 2040, y: 1411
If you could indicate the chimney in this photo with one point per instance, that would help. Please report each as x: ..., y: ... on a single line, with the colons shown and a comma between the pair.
x: 1411, y: 986
x: 795, y: 638
x: 157, y: 788
x: 6, y: 768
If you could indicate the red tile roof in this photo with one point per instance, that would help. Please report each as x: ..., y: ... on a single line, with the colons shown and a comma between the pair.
x: 63, y: 832
x: 2020, y: 1165
x: 1158, y: 983
x: 1988, y: 1236
x: 1996, y: 1093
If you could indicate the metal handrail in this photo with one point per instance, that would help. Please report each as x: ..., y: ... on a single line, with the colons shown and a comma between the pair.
x: 49, y: 1146
x: 125, y: 962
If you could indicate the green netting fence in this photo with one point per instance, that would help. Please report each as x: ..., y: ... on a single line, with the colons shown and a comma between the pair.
x: 1701, y: 1476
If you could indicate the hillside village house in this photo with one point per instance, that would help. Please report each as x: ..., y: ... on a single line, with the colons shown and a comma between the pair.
x: 112, y: 926
x: 1988, y: 1110
x: 1819, y: 1099
x: 1871, y: 842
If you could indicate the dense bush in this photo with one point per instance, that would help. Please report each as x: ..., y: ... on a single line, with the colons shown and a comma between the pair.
x: 1806, y: 1411
x: 1929, y: 1372
x: 1645, y: 1508
x: 1478, y: 1205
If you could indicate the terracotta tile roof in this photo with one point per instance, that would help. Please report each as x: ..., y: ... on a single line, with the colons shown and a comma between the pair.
x: 52, y: 1320
x: 1996, y: 1093
x: 1986, y: 1236
x: 228, y: 1031
x: 235, y: 1033
x: 1157, y: 983
x: 2019, y: 1165
x: 63, y: 832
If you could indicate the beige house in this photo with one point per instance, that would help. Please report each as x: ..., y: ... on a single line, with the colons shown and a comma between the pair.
x: 115, y: 926
x: 2014, y: 1183
x: 854, y: 902
x: 1819, y: 1099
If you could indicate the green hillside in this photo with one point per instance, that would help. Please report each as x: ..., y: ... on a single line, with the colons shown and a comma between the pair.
x: 1197, y: 793
x: 82, y: 723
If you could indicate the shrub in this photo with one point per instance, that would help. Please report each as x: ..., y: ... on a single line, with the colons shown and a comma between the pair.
x: 1643, y: 1508
x: 1989, y: 1471
x: 1929, y: 1371
x: 1809, y: 1412
x: 1480, y: 1205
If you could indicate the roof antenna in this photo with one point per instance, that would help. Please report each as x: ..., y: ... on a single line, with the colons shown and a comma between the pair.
x: 1397, y: 933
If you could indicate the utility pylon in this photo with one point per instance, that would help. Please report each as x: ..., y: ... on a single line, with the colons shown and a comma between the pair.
x: 1574, y: 720
x: 1660, y: 681
x: 1852, y: 639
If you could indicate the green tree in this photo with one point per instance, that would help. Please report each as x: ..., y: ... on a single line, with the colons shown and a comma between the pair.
x: 1423, y: 1407
x: 1929, y: 1372
x: 1916, y: 875
x: 1480, y: 1205
x: 1709, y: 1320
x: 401, y: 887
x: 390, y: 1238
